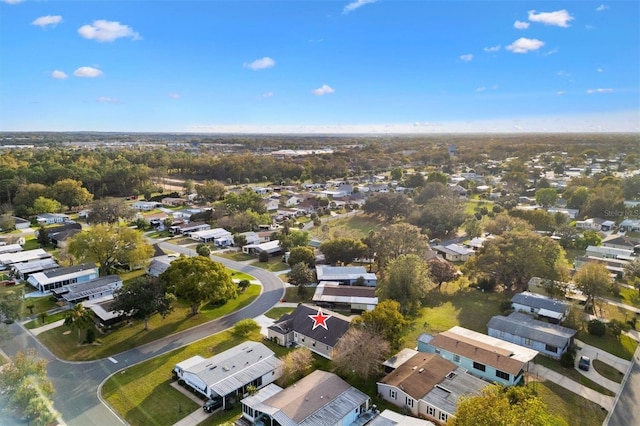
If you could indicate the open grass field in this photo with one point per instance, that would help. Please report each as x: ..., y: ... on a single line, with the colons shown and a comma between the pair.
x: 48, y: 320
x: 357, y: 226
x: 472, y: 206
x: 65, y: 345
x: 576, y: 410
x: 630, y: 297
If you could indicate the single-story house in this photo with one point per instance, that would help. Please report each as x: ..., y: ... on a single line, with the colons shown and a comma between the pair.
x: 185, y: 213
x: 219, y: 236
x: 549, y: 339
x: 10, y: 248
x: 173, y: 201
x: 59, y: 239
x: 391, y: 418
x: 345, y: 275
x: 609, y: 252
x: 321, y: 398
x: 271, y: 205
x: 105, y: 316
x: 429, y: 386
x: 94, y: 289
x: 145, y: 206
x: 56, y: 278
x: 620, y: 242
x: 9, y: 259
x: 22, y: 223
x: 23, y: 270
x: 271, y: 247
x: 297, y: 328
x: 188, y: 228
x: 227, y: 375
x: 252, y: 237
x: 355, y: 298
x: 51, y: 218
x: 398, y: 359
x: 159, y: 264
x: 543, y: 306
x: 630, y: 225
x: 570, y: 213
x: 454, y: 252
x: 616, y: 267
x: 484, y: 356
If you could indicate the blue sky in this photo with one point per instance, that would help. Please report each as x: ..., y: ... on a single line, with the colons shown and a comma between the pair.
x: 389, y: 66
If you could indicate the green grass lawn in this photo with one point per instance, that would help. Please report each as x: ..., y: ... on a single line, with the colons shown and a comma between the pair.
x: 622, y: 348
x: 291, y: 295
x: 48, y: 320
x: 607, y: 371
x: 472, y: 206
x: 31, y: 244
x: 576, y: 410
x: 65, y: 345
x: 357, y: 226
x: 238, y: 256
x: 275, y: 264
x: 40, y: 304
x: 573, y: 374
x: 276, y: 313
x: 630, y: 297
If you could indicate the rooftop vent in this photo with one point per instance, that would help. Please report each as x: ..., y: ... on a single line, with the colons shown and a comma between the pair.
x: 421, y: 370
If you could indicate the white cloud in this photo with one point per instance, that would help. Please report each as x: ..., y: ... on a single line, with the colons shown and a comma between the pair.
x: 492, y: 49
x: 521, y: 25
x: 43, y: 21
x: 559, y: 18
x: 174, y: 95
x: 260, y: 64
x: 89, y: 72
x: 323, y: 90
x: 12, y: 1
x: 267, y: 95
x: 355, y: 5
x: 481, y: 89
x: 59, y: 75
x: 524, y: 45
x: 560, y: 92
x: 599, y: 70
x: 102, y: 30
x: 107, y: 100
x: 599, y: 90
x: 602, y: 7
x: 466, y: 58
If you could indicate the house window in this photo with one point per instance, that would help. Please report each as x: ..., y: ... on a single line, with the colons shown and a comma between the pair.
x: 532, y: 310
x: 479, y: 366
x: 528, y: 342
x: 303, y: 339
x: 501, y: 333
x: 438, y: 351
x: 443, y: 416
x: 456, y: 358
x: 503, y: 375
x: 393, y: 394
x: 431, y: 411
x: 550, y: 348
x: 409, y: 402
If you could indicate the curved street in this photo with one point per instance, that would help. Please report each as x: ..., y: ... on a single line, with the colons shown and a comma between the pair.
x: 77, y: 383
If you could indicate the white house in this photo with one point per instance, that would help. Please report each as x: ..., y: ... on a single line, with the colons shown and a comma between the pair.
x: 51, y: 218
x: 540, y: 305
x: 11, y: 248
x: 219, y: 236
x: 454, y: 252
x: 9, y: 259
x: 354, y: 298
x: 87, y: 290
x: 346, y: 275
x: 23, y: 270
x: 271, y: 247
x: 56, y: 278
x: 145, y: 206
x: 227, y: 375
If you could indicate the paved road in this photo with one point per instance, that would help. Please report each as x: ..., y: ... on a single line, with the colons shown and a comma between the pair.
x: 627, y: 404
x: 77, y: 384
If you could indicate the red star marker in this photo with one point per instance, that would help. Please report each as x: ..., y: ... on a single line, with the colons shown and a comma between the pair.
x: 320, y: 320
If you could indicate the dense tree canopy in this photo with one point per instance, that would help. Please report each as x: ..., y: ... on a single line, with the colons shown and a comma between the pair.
x: 395, y: 240
x: 143, y: 297
x: 302, y: 254
x: 387, y: 205
x: 342, y: 250
x: 109, y: 210
x: 360, y: 352
x: 385, y: 320
x: 406, y: 280
x: 593, y: 279
x: 198, y: 280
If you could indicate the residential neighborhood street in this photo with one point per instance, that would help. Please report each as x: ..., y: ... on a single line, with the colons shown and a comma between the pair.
x: 77, y: 383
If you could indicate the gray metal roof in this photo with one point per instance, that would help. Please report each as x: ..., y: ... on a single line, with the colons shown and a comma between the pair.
x: 236, y: 367
x: 523, y: 325
x: 445, y: 395
x: 87, y: 289
x: 70, y: 270
x: 540, y: 301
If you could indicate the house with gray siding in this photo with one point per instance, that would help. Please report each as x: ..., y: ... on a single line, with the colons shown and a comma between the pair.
x: 549, y: 339
x: 483, y: 356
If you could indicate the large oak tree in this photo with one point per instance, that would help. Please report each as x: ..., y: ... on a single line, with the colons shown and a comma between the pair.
x: 407, y: 281
x: 143, y: 297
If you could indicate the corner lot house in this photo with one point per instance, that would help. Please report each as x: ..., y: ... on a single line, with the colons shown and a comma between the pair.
x: 543, y: 306
x: 57, y: 278
x: 483, y: 356
x: 524, y: 330
x: 353, y: 298
x: 271, y: 247
x: 321, y: 398
x: 429, y: 386
x: 104, y: 316
x: 227, y: 374
x: 345, y: 275
x: 296, y: 328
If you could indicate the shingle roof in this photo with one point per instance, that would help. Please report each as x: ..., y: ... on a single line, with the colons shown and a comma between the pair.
x: 419, y: 374
x: 299, y: 321
x: 523, y: 325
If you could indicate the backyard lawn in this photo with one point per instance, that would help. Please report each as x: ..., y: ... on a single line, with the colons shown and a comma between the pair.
x: 576, y: 410
x: 65, y: 344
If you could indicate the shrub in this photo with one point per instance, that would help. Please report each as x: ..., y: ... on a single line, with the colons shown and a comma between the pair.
x: 244, y: 327
x: 567, y: 359
x: 243, y: 284
x: 505, y: 307
x: 263, y: 256
x: 91, y: 335
x: 596, y: 327
x: 487, y: 284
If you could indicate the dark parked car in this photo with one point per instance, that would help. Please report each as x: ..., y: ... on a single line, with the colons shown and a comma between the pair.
x: 212, y: 405
x: 8, y: 283
x: 584, y: 363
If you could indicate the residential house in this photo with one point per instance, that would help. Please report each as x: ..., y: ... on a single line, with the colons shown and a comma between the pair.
x: 218, y: 236
x: 545, y: 307
x: 398, y: 359
x: 297, y: 328
x: 595, y: 224
x: 56, y: 278
x: 59, y: 239
x: 251, y: 237
x: 185, y: 214
x: 321, y: 398
x: 621, y: 242
x: 23, y: 270
x: 391, y: 418
x: 159, y: 264
x: 484, y: 356
x: 630, y: 225
x: 86, y: 290
x: 343, y: 297
x: 609, y: 253
x: 429, y: 386
x: 51, y: 218
x: 293, y: 201
x: 228, y: 374
x: 271, y: 247
x: 104, y: 315
x: 10, y: 248
x: 156, y: 219
x: 22, y: 223
x: 173, y: 201
x: 549, y: 339
x: 616, y: 267
x: 570, y: 213
x: 145, y: 206
x: 189, y: 228
x: 346, y: 275
x: 271, y: 205
x: 9, y: 259
x: 454, y: 252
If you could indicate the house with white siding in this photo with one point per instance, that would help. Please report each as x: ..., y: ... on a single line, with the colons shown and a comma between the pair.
x: 87, y: 290
x: 538, y: 304
x: 345, y: 275
x: 57, y: 278
x: 9, y: 259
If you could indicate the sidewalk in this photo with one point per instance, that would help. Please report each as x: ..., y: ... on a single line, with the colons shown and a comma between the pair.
x: 540, y: 371
x: 592, y: 352
x: 197, y: 416
x: 36, y: 331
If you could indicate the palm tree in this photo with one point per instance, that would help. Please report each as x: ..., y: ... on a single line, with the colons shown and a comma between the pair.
x: 78, y: 317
